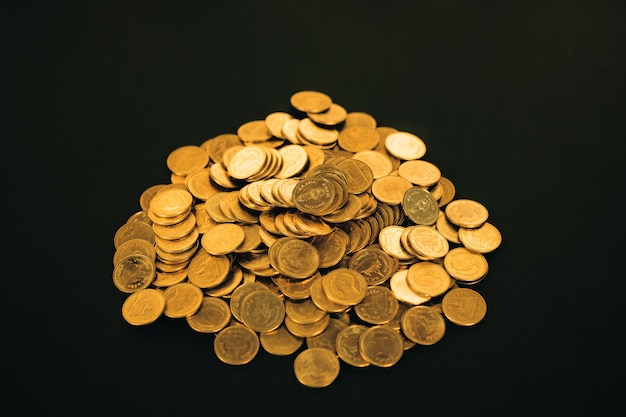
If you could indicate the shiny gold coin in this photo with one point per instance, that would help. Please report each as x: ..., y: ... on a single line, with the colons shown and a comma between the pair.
x: 381, y: 346
x: 295, y: 258
x: 294, y: 159
x: 401, y: 290
x: 378, y: 307
x: 280, y: 342
x: 428, y: 279
x: 347, y: 345
x: 315, y: 195
x: 379, y: 163
x: 464, y: 306
x: 427, y: 242
x: 167, y: 279
x: 359, y: 176
x: 254, y: 131
x: 464, y: 265
x: 344, y: 286
x: 358, y: 138
x: 199, y: 184
x: 296, y: 289
x: 303, y: 311
x: 182, y: 300
x: 262, y: 311
x: 133, y: 273
x: 208, y: 271
x: 333, y: 116
x: 239, y: 293
x: 316, y: 135
x: 177, y: 230
x: 423, y: 325
x: 405, y: 146
x: 321, y: 300
x: 143, y: 307
x: 212, y: 316
x: 390, y: 189
x: 217, y: 145
x: 131, y: 231
x: 307, y: 329
x: 134, y: 247
x: 483, y: 239
x: 420, y: 172
x: 177, y: 246
x: 389, y: 241
x: 466, y: 213
x: 316, y: 367
x: 331, y: 247
x: 420, y: 206
x: 236, y: 345
x: 171, y: 202
x: 185, y: 159
x: 223, y: 238
x: 247, y: 162
x: 146, y: 196
x: 447, y: 229
x: 310, y: 101
x: 275, y: 122
x: 448, y: 191
x: 359, y: 118
x: 232, y: 281
x: 374, y: 264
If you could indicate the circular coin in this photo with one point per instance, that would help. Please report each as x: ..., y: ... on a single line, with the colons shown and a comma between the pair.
x: 464, y: 306
x: 143, y: 306
x: 236, y: 345
x: 316, y: 367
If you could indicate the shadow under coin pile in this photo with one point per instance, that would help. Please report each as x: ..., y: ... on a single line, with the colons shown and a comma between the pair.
x: 313, y: 234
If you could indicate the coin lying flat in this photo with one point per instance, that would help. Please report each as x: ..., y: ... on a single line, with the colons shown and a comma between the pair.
x: 464, y: 306
x: 143, y: 306
x: 236, y: 345
x: 316, y: 367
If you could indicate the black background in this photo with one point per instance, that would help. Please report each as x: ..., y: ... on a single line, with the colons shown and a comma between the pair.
x: 520, y: 104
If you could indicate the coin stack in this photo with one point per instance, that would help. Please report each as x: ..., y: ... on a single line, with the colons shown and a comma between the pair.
x: 312, y: 233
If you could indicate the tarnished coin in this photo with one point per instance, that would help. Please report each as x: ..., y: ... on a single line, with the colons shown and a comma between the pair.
x: 483, y: 239
x: 464, y: 306
x: 236, y: 345
x: 316, y: 367
x: 381, y: 346
x: 212, y: 316
x: 182, y: 300
x: 464, y: 265
x: 143, y: 307
x: 423, y: 325
x: 133, y: 273
x: 466, y: 213
x: 347, y: 345
x: 420, y: 206
x: 262, y: 311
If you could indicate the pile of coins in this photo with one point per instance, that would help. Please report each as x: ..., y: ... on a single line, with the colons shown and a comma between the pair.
x: 313, y: 233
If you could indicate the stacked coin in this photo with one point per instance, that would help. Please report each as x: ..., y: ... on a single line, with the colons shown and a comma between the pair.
x: 312, y: 233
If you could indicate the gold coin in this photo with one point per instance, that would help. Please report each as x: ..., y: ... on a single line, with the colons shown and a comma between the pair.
x: 321, y: 300
x: 401, y: 290
x: 359, y: 176
x: 405, y: 146
x: 254, y: 131
x: 465, y: 265
x: 420, y: 206
x: 212, y: 316
x: 381, y: 346
x: 133, y: 273
x: 359, y: 118
x: 448, y: 191
x: 185, y: 159
x: 295, y: 258
x: 389, y: 241
x: 133, y: 230
x: 236, y: 345
x: 307, y: 329
x: 181, y: 300
x: 427, y: 243
x: 208, y: 271
x: 275, y: 122
x: 344, y: 286
x: 232, y: 281
x: 143, y: 306
x: 239, y: 293
x: 177, y: 230
x: 262, y: 311
x: 374, y: 264
x: 316, y: 367
x: 333, y: 116
x: 247, y: 161
x: 175, y: 246
x: 423, y: 325
x: 295, y: 289
x: 379, y: 305
x: 171, y: 202
x: 358, y: 138
x: 331, y: 247
x: 420, y: 172
x: 347, y: 345
x: 428, y: 279
x: 316, y: 135
x: 483, y: 239
x: 134, y: 247
x: 379, y: 163
x: 167, y: 279
x: 309, y: 101
x: 390, y: 189
x: 294, y: 159
x: 328, y: 337
x: 148, y: 194
x: 447, y: 229
x: 280, y: 342
x: 466, y: 213
x: 200, y: 185
x: 303, y: 311
x: 217, y: 145
x: 464, y: 306
x: 223, y: 238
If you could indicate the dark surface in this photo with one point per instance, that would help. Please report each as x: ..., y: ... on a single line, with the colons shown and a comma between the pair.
x: 520, y: 105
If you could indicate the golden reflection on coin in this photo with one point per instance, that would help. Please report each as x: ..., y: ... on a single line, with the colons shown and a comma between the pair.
x: 465, y: 265
x: 378, y: 307
x: 133, y: 230
x: 344, y: 286
x: 316, y: 367
x: 133, y: 273
x: 483, y: 239
x: 143, y: 307
x: 428, y: 279
x: 236, y: 345
x: 401, y: 290
x: 310, y: 101
x: 466, y: 213
x: 262, y: 311
x: 464, y: 306
x: 132, y: 247
x: 223, y: 238
x: 186, y: 159
x: 405, y: 145
x: 182, y: 300
x: 347, y: 345
x: 212, y: 316
x: 280, y: 342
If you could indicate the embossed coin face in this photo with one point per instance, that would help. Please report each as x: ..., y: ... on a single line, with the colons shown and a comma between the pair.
x: 143, y: 307
x: 464, y: 306
x: 466, y: 213
x: 423, y: 325
x: 464, y: 265
x: 262, y: 311
x: 420, y: 206
x: 348, y: 345
x: 483, y: 239
x: 212, y: 316
x: 381, y: 346
x: 316, y: 367
x: 236, y: 345
x: 314, y: 195
x: 133, y: 273
x: 344, y: 286
x: 182, y: 300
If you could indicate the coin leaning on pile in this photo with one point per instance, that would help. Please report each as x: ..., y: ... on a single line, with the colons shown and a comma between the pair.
x: 312, y: 233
